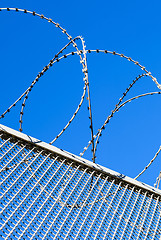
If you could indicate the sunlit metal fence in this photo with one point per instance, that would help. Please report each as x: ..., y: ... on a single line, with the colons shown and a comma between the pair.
x: 47, y: 193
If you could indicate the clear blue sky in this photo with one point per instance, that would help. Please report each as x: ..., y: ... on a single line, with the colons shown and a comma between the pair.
x: 28, y: 43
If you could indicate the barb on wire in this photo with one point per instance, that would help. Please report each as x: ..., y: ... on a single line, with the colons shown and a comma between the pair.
x: 157, y: 183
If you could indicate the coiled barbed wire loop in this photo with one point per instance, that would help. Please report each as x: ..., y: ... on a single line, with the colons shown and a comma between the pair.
x: 83, y: 61
x: 84, y: 70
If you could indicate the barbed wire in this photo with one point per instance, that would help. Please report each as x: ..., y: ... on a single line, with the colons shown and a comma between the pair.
x: 86, y: 88
x: 129, y: 59
x: 151, y: 161
x: 45, y: 69
x: 128, y: 101
x: 82, y: 98
x: 89, y: 106
x: 124, y: 94
x: 83, y: 61
x: 115, y: 109
x: 37, y: 78
x: 157, y: 183
x: 99, y: 133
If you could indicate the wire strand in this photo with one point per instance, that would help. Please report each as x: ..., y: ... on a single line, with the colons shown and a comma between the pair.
x: 151, y: 161
x: 120, y: 106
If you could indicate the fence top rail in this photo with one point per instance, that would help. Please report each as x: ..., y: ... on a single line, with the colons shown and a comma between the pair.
x: 80, y: 160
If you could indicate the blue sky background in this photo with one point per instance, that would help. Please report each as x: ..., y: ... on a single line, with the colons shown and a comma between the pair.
x: 132, y: 137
